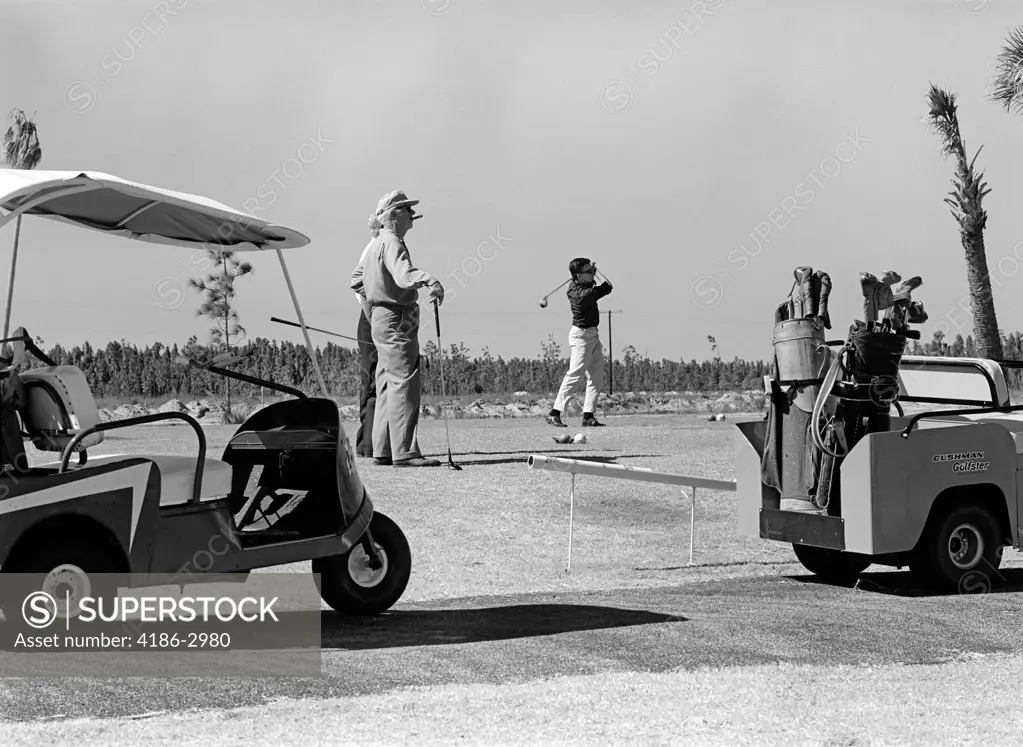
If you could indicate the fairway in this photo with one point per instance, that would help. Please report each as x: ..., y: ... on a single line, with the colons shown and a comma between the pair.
x: 498, y: 527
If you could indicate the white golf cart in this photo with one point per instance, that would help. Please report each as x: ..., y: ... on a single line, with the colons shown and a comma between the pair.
x: 152, y: 514
x: 939, y: 490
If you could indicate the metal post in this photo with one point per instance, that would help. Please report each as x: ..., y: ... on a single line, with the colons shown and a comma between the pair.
x: 611, y: 354
x: 301, y: 321
x: 692, y: 524
x: 571, y: 512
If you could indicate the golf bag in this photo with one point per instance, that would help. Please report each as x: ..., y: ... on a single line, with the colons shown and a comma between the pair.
x: 856, y: 399
x: 789, y: 462
x: 853, y: 399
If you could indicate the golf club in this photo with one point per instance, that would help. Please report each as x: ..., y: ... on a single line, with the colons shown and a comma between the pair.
x: 314, y: 329
x: 599, y: 275
x: 543, y: 301
x: 443, y: 391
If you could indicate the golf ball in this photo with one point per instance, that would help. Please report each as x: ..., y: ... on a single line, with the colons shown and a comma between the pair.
x: 579, y: 438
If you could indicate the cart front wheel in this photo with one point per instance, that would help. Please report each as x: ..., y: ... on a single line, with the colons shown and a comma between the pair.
x: 350, y: 585
x: 831, y: 565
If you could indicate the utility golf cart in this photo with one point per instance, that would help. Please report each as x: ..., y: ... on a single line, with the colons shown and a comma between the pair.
x: 285, y: 489
x: 848, y: 483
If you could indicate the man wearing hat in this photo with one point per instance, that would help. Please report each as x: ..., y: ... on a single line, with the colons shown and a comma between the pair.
x: 389, y: 283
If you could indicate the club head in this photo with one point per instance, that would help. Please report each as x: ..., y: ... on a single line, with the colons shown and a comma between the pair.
x: 910, y: 285
x: 890, y: 277
x: 543, y: 303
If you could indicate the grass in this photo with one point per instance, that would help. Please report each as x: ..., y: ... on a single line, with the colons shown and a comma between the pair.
x: 498, y: 527
x: 515, y: 519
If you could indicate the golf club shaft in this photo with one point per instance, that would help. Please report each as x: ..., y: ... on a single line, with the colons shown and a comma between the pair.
x: 556, y: 290
x: 443, y: 388
x: 324, y: 331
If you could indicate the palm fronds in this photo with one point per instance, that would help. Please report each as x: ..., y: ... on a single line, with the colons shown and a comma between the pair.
x: 21, y: 142
x: 944, y: 121
x: 970, y: 189
x: 1008, y: 84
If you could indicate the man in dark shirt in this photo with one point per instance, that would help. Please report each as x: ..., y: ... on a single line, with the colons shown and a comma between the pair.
x: 587, y: 354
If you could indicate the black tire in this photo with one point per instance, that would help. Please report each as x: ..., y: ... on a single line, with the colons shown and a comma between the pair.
x: 833, y: 566
x: 961, y: 546
x: 76, y: 564
x: 378, y: 590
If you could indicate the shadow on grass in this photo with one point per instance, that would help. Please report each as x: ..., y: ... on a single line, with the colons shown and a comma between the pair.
x: 396, y: 629
x: 521, y: 451
x: 722, y: 564
x: 905, y: 584
x: 520, y: 460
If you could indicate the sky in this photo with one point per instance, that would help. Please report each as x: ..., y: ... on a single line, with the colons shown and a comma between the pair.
x: 761, y: 137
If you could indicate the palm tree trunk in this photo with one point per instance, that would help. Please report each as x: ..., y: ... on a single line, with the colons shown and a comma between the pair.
x: 989, y: 341
x: 10, y: 281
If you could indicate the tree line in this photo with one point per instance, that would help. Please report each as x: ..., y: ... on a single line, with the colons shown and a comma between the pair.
x: 124, y: 370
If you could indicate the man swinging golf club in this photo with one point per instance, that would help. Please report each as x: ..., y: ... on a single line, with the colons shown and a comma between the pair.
x: 389, y: 284
x: 587, y: 353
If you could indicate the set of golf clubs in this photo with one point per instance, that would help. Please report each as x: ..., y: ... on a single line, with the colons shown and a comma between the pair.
x: 899, y: 307
x: 543, y: 301
x: 440, y: 348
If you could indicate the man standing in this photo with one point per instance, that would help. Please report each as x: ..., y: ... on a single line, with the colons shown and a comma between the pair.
x: 587, y: 352
x: 389, y: 283
x: 367, y: 358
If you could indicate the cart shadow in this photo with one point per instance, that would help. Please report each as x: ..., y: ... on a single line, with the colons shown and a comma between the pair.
x: 401, y: 628
x: 519, y: 451
x: 904, y: 584
x: 519, y: 460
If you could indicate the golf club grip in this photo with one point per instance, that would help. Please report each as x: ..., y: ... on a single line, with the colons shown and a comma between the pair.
x: 436, y: 317
x: 284, y: 321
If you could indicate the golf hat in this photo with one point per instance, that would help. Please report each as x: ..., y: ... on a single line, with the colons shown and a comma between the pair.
x: 393, y: 200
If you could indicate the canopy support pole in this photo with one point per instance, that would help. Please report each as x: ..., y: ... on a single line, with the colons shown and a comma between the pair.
x: 301, y: 321
x: 17, y: 213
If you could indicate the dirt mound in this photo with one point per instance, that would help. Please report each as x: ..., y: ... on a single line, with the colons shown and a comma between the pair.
x: 620, y: 403
x: 522, y: 405
x: 173, y: 405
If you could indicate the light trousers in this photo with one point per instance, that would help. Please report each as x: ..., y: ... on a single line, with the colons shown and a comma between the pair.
x: 395, y: 332
x: 587, y: 361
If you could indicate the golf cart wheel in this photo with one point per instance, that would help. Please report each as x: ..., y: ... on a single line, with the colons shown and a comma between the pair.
x: 960, y: 546
x: 67, y: 569
x: 831, y: 565
x: 350, y: 586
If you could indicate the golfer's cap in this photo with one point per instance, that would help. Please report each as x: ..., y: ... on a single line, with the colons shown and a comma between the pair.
x: 393, y: 200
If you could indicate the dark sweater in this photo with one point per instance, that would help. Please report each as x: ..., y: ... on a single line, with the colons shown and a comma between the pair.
x: 584, y: 302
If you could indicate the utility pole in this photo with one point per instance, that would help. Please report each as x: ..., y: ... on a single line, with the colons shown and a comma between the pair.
x: 611, y: 353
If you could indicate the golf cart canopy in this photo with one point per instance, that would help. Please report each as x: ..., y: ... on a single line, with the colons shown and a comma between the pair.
x: 119, y: 207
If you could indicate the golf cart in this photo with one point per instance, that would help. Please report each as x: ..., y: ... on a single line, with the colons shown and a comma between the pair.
x: 848, y: 483
x: 285, y: 490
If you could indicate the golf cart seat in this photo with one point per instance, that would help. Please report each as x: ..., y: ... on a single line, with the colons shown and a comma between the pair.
x: 177, y: 476
x: 59, y: 406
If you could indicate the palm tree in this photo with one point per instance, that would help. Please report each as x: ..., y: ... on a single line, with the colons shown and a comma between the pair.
x: 1008, y: 85
x: 965, y: 199
x: 20, y: 151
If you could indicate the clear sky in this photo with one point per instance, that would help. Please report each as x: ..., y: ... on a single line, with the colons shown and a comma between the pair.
x: 506, y: 120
